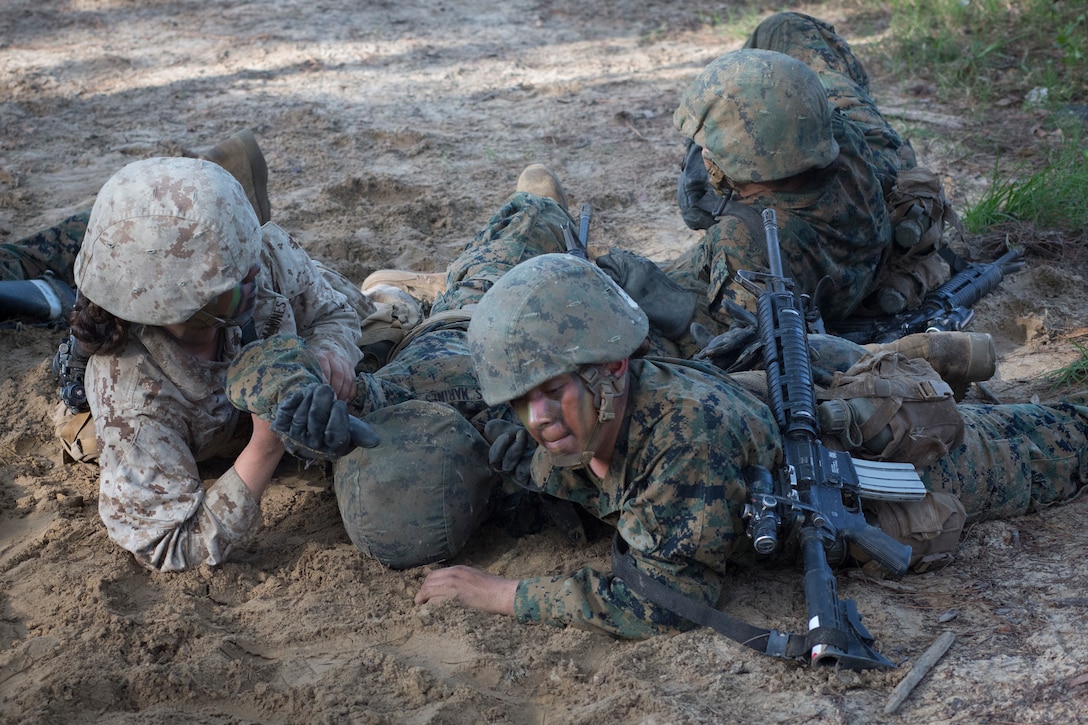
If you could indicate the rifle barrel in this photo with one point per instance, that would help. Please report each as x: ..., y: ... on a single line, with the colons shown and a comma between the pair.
x: 770, y: 227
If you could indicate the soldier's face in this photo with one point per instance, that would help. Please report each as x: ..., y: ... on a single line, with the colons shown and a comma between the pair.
x: 235, y: 303
x: 559, y: 414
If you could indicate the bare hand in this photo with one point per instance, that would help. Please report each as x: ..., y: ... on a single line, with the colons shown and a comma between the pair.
x: 471, y: 588
x: 338, y: 373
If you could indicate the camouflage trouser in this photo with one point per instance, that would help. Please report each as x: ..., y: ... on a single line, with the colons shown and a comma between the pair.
x: 435, y: 366
x: 53, y: 249
x: 524, y: 227
x: 1015, y: 457
x: 817, y: 45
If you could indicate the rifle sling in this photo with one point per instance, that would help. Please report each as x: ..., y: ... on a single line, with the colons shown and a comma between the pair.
x: 765, y: 641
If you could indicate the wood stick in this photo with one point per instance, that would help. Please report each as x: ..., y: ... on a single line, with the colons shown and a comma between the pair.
x: 921, y: 668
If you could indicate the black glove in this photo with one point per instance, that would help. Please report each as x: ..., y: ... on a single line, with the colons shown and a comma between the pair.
x: 668, y: 305
x: 692, y: 185
x: 733, y: 350
x: 511, y: 451
x: 314, y: 425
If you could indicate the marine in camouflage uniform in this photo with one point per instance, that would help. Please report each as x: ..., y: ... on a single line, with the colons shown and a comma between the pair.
x: 671, y: 482
x: 787, y: 123
x: 429, y: 373
x: 674, y: 491
x: 36, y: 271
x: 181, y: 233
x: 49, y: 250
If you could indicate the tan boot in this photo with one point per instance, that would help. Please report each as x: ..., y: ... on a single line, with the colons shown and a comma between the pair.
x: 242, y: 157
x: 539, y: 180
x: 424, y: 287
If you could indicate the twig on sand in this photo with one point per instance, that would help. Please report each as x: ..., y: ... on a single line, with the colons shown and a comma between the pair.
x: 921, y: 668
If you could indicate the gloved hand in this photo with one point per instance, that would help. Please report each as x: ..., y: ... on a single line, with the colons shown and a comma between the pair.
x: 314, y: 425
x: 735, y: 349
x: 732, y: 350
x: 511, y: 451
x: 691, y: 186
x: 668, y: 305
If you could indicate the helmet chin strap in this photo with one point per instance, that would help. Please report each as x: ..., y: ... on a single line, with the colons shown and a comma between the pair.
x: 210, y: 320
x: 605, y: 390
x: 717, y: 178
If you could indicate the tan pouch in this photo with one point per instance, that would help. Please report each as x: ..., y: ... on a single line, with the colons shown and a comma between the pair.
x: 887, y: 407
x: 77, y: 437
x: 931, y: 527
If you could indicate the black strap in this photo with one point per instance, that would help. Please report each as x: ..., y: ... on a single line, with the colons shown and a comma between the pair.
x: 766, y: 641
x: 720, y: 206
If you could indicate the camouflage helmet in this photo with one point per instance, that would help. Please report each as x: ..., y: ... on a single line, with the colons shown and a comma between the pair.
x: 418, y: 496
x: 165, y: 237
x: 546, y: 317
x: 760, y: 116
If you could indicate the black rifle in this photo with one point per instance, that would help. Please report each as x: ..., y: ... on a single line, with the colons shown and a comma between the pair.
x: 947, y: 308
x: 70, y: 366
x: 578, y: 245
x: 810, y: 495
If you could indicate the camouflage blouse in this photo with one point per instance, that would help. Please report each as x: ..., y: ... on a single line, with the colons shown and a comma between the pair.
x: 674, y: 492
x: 158, y: 412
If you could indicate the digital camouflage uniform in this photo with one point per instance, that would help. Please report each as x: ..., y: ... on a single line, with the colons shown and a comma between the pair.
x: 836, y: 228
x: 675, y: 490
x: 1015, y: 457
x: 434, y: 364
x: 157, y: 410
x: 524, y: 226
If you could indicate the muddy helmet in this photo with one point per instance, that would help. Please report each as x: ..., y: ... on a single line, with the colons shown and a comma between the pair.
x: 760, y: 116
x: 165, y: 237
x: 549, y: 316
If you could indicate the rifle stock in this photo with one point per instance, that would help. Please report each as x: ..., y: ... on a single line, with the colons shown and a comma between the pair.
x: 579, y: 246
x: 808, y: 493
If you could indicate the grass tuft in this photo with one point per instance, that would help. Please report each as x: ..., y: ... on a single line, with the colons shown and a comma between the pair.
x: 1075, y: 374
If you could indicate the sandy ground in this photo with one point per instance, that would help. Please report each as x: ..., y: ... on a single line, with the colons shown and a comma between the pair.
x: 392, y: 129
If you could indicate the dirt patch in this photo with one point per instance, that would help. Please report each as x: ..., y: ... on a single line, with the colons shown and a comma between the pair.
x: 392, y: 130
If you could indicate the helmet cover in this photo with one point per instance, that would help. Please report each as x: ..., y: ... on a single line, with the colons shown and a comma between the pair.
x: 165, y: 237
x: 548, y: 316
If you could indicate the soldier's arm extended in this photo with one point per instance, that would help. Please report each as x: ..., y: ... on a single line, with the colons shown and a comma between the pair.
x: 681, y: 521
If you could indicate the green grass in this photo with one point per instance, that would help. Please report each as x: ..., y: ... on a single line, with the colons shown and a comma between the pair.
x: 977, y: 52
x: 983, y: 49
x: 1055, y: 197
x: 1075, y: 374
